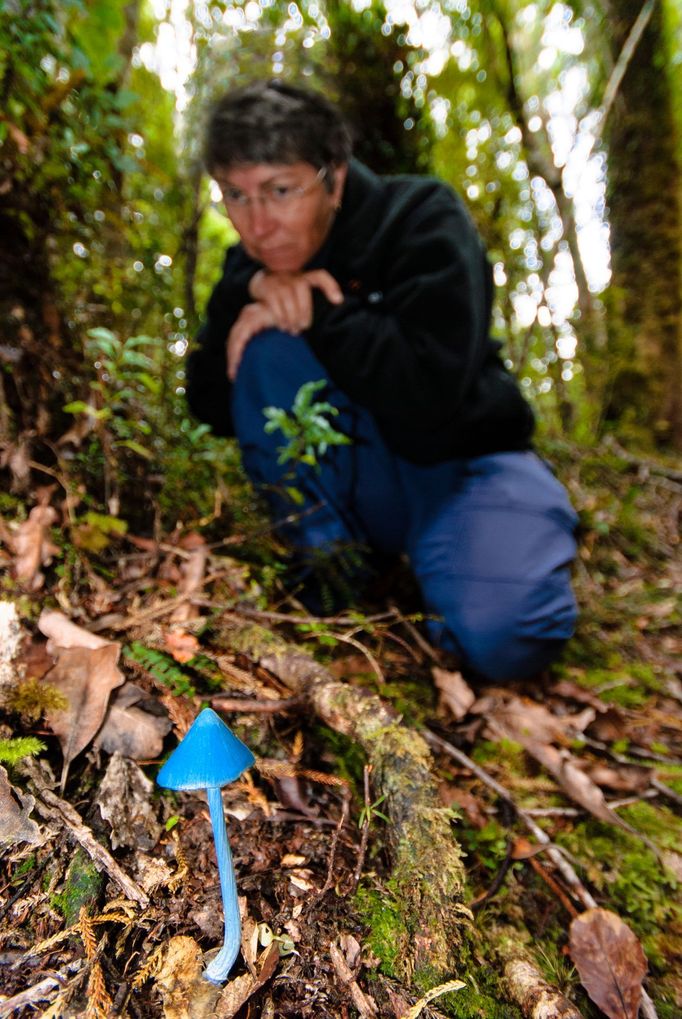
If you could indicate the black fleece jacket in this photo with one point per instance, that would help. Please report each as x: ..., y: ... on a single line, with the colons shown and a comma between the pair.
x: 410, y: 341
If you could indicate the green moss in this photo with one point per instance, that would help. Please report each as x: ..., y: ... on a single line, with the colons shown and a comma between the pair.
x: 474, y: 1002
x: 412, y: 700
x: 24, y: 868
x: 506, y: 753
x: 82, y: 887
x: 488, y: 844
x: 625, y: 871
x: 387, y: 937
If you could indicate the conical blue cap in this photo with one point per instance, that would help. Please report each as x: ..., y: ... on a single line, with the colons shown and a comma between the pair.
x: 209, y: 755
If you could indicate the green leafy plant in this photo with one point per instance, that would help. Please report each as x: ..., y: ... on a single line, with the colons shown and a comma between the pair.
x: 307, y: 430
x: 161, y: 666
x: 369, y: 811
x: 124, y: 375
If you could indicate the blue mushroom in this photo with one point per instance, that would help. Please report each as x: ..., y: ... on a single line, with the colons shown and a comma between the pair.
x: 209, y: 757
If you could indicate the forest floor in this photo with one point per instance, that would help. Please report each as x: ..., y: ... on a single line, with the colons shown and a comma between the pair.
x: 108, y: 884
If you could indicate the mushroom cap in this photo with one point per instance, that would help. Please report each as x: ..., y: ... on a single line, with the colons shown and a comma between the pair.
x: 210, y: 755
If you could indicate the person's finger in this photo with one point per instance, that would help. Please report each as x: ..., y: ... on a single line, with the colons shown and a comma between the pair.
x: 236, y: 345
x: 325, y: 282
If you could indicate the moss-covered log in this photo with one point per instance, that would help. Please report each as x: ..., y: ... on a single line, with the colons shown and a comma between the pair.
x: 428, y: 874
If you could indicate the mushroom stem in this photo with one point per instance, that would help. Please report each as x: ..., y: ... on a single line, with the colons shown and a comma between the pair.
x: 218, y: 968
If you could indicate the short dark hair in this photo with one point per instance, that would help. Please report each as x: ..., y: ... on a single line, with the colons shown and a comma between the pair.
x: 270, y: 122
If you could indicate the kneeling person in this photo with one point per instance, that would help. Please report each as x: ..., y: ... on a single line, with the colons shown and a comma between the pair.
x: 380, y: 287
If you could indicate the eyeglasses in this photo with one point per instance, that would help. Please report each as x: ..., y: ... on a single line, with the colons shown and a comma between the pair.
x: 281, y: 196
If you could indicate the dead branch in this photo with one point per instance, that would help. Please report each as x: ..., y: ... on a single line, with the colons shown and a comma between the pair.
x: 428, y: 872
x: 525, y: 985
x: 39, y: 992
x: 52, y: 807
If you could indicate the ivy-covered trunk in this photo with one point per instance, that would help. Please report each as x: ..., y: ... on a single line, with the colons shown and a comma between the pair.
x: 644, y: 397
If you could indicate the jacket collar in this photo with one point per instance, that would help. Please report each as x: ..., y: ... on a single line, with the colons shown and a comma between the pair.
x: 355, y: 219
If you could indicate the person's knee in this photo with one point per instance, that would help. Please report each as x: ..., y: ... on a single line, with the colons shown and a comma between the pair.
x: 517, y: 634
x: 267, y: 351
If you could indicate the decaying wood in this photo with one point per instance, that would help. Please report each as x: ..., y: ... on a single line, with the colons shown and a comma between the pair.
x: 525, y: 985
x: 52, y: 807
x: 428, y: 873
x: 365, y: 1005
x: 31, y: 996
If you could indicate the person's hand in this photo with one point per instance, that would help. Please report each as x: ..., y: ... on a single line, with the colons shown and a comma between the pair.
x: 288, y: 295
x: 253, y: 319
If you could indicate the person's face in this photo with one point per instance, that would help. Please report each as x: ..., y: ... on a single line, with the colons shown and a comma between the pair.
x: 282, y: 212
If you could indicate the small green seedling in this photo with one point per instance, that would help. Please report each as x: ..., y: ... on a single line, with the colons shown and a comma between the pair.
x: 308, y: 431
x: 369, y: 812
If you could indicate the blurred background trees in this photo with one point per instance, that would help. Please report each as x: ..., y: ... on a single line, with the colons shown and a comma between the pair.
x: 561, y: 125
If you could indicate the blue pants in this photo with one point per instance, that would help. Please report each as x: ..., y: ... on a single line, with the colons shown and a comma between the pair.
x: 489, y: 538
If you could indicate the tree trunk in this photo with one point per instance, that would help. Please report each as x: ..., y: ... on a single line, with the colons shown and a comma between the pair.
x: 645, y: 201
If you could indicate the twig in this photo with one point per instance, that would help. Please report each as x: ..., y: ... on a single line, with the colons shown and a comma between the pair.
x: 554, y: 885
x: 647, y: 1007
x: 152, y: 613
x: 665, y: 790
x: 285, y: 617
x: 362, y: 852
x: 625, y: 56
x: 365, y: 1005
x: 359, y: 646
x: 250, y: 704
x: 416, y: 636
x: 558, y: 859
x: 269, y: 528
x: 51, y: 806
x: 334, y: 844
x: 648, y: 794
x: 30, y: 996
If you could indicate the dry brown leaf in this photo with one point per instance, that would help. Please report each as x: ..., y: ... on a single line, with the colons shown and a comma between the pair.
x: 192, y: 579
x: 15, y: 807
x: 573, y: 781
x: 65, y: 634
x: 623, y: 780
x: 183, y: 646
x: 125, y: 800
x: 524, y: 849
x: 130, y: 730
x: 610, y: 961
x: 86, y: 677
x: 610, y: 725
x: 184, y: 992
x: 33, y: 548
x: 523, y: 720
x: 239, y: 991
x: 573, y: 691
x: 455, y: 692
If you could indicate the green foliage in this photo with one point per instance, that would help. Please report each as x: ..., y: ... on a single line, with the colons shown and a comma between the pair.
x: 124, y: 377
x: 95, y: 531
x: 14, y: 750
x: 369, y: 811
x: 308, y: 432
x: 161, y: 666
x: 488, y: 845
x: 32, y: 698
